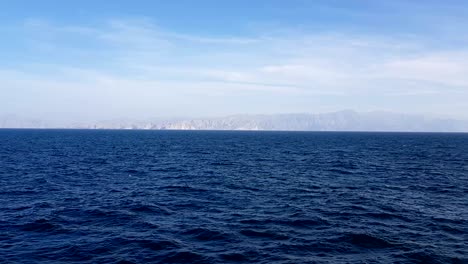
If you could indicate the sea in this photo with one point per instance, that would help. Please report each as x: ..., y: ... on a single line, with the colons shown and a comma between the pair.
x: 130, y: 196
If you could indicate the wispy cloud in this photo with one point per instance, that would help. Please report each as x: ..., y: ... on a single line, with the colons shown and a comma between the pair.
x: 132, y: 66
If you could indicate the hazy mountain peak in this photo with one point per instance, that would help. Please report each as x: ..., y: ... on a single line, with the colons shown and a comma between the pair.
x: 346, y: 120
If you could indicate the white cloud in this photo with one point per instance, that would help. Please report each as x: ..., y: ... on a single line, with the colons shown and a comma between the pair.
x: 134, y: 66
x: 449, y: 69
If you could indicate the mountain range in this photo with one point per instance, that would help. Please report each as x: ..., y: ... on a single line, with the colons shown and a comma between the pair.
x: 346, y: 120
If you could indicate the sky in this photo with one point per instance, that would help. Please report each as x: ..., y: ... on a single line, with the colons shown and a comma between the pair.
x: 100, y: 60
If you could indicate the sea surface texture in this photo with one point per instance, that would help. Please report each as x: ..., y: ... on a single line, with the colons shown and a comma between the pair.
x: 87, y: 196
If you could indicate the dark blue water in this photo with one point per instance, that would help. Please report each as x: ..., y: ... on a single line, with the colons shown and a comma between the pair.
x: 222, y: 197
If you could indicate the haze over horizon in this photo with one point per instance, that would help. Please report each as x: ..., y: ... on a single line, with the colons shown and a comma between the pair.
x: 86, y: 61
x: 346, y: 120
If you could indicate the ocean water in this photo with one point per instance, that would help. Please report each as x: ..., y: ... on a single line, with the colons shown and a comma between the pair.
x: 89, y: 196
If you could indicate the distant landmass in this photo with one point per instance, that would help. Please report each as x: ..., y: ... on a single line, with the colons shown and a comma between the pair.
x: 14, y: 121
x: 347, y: 120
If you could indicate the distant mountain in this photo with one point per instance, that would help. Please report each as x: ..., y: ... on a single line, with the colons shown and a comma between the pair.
x: 14, y: 121
x: 347, y: 120
x: 337, y: 121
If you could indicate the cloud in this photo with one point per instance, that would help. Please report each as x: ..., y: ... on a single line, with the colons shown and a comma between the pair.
x: 447, y: 69
x: 132, y: 66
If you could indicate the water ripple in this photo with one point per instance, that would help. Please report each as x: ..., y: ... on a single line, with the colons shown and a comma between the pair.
x: 232, y: 197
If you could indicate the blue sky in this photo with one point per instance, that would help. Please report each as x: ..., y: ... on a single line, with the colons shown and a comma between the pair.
x: 93, y: 60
